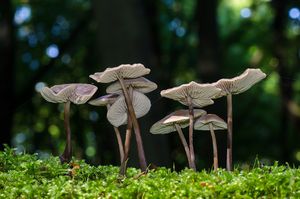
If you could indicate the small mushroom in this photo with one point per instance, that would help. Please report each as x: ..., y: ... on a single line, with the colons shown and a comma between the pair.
x: 120, y: 73
x: 140, y: 84
x: 67, y: 93
x: 192, y: 95
x: 231, y: 87
x: 211, y: 122
x: 175, y: 122
x: 108, y: 100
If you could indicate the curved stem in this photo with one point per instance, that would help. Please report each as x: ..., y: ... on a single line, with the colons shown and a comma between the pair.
x: 191, y: 129
x: 215, y: 147
x: 127, y: 139
x: 137, y: 131
x: 67, y: 154
x: 229, y: 134
x: 185, y: 145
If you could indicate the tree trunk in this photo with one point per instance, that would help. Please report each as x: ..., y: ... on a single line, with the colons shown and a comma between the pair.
x: 124, y: 36
x: 6, y: 71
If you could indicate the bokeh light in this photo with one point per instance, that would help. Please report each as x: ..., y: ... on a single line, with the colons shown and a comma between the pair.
x: 294, y: 13
x: 52, y: 51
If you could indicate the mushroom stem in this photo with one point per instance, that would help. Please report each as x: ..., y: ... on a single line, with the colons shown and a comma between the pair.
x: 66, y: 156
x: 127, y: 139
x: 119, y: 139
x: 191, y: 130
x: 136, y: 126
x: 186, y: 147
x: 215, y: 148
x: 229, y: 134
x: 127, y: 147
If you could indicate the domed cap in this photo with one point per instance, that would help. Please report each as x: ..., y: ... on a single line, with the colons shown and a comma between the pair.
x: 240, y: 83
x: 104, y: 100
x: 203, y: 122
x: 180, y: 117
x: 117, y: 113
x: 124, y: 71
x: 200, y: 94
x: 140, y: 84
x: 76, y: 93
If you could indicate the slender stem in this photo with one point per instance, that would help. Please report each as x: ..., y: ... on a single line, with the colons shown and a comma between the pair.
x: 67, y: 154
x: 137, y: 131
x: 191, y: 131
x: 185, y: 144
x: 119, y: 139
x: 127, y: 139
x: 229, y: 134
x: 215, y: 147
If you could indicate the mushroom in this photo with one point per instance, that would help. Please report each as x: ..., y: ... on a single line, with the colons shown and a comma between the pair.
x: 231, y: 87
x: 211, y: 122
x: 140, y: 84
x: 119, y: 73
x: 108, y: 100
x: 175, y: 122
x: 67, y: 93
x: 192, y: 95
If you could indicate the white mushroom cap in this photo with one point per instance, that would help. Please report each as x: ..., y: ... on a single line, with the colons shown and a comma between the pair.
x: 124, y: 71
x: 200, y: 94
x: 140, y: 84
x: 203, y: 122
x: 76, y: 93
x: 117, y: 113
x: 240, y: 83
x: 180, y: 117
x: 104, y: 100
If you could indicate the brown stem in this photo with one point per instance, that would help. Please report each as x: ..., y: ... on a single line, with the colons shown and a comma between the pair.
x: 139, y: 142
x: 67, y: 154
x: 127, y: 140
x: 191, y: 130
x: 185, y: 145
x: 229, y: 134
x: 215, y: 147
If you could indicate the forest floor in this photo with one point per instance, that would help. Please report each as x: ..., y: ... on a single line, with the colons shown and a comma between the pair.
x: 26, y: 176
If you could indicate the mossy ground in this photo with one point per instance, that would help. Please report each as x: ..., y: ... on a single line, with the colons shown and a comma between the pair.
x: 25, y: 176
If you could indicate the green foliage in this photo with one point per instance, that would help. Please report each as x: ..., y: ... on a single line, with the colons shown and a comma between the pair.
x: 26, y: 176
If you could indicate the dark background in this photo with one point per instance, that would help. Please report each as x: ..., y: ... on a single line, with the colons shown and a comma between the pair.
x: 54, y: 42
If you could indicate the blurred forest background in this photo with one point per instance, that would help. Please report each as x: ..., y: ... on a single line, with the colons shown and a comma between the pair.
x: 54, y: 42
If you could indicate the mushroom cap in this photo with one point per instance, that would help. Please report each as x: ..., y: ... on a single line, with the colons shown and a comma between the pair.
x: 240, y: 83
x: 203, y: 122
x: 124, y: 71
x: 200, y: 94
x: 140, y: 84
x: 117, y: 113
x: 104, y: 100
x: 180, y: 117
x: 76, y: 93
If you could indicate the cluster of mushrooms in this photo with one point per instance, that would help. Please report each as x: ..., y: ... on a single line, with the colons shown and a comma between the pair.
x: 126, y: 102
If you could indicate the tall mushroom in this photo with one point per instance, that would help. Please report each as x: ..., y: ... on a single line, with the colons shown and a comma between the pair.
x: 192, y: 95
x: 67, y: 93
x: 231, y: 87
x: 119, y: 74
x: 175, y: 122
x: 108, y: 100
x: 211, y: 122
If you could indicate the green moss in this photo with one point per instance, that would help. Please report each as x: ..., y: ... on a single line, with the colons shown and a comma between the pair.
x: 25, y: 176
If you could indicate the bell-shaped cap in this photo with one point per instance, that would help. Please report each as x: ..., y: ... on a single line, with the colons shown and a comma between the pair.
x: 204, y: 121
x: 124, y: 71
x: 200, y: 94
x: 180, y: 117
x: 76, y: 93
x: 104, y: 100
x: 117, y: 114
x: 240, y: 83
x: 140, y: 84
